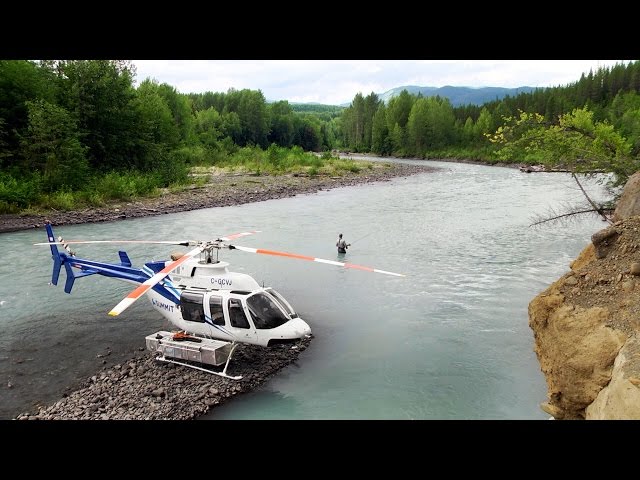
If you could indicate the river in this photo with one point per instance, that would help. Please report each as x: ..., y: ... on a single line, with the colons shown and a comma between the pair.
x: 449, y: 341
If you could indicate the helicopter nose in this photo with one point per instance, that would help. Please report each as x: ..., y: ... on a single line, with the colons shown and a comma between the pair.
x: 302, y: 328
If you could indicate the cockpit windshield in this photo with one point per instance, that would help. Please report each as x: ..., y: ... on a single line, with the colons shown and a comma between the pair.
x: 282, y: 302
x: 265, y: 312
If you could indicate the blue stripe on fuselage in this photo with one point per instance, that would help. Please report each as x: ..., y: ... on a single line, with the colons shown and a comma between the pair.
x: 209, y: 321
x: 165, y: 287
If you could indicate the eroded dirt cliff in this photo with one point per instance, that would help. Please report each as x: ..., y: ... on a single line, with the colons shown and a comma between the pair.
x: 586, y: 328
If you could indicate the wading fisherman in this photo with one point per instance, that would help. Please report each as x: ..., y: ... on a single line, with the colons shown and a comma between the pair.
x: 342, y: 244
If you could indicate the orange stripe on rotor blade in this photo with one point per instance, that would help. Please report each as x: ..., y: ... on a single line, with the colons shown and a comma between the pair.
x: 139, y: 291
x: 358, y: 267
x: 284, y: 254
x: 239, y: 234
x: 149, y: 283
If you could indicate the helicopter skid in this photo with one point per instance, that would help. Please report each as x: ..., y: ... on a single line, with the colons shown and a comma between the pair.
x: 220, y: 374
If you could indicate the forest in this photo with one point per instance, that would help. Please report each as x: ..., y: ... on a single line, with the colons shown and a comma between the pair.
x: 430, y: 127
x: 80, y: 132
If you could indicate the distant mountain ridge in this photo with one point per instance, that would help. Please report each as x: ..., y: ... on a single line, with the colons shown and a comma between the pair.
x: 457, y: 95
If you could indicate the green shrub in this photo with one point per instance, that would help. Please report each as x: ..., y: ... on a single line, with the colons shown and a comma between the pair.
x: 316, y: 162
x: 63, y: 200
x: 94, y: 199
x: 115, y: 185
x: 229, y: 146
x: 126, y: 185
x: 215, y: 156
x: 173, y: 170
x: 196, y: 155
x: 6, y: 207
x: 19, y: 192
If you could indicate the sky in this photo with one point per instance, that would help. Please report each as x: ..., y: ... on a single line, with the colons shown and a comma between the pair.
x: 334, y: 82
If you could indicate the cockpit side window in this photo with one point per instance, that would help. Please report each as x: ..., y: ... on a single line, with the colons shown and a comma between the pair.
x: 237, y: 317
x: 191, y: 307
x: 215, y: 308
x: 283, y: 303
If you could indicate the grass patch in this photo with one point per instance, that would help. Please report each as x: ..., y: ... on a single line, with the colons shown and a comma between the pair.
x: 62, y: 201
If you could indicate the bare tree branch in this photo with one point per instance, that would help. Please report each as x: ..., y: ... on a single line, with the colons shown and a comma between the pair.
x: 570, y: 214
x: 596, y: 208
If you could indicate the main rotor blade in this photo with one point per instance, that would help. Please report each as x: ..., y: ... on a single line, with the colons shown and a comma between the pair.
x: 313, y: 259
x: 233, y: 236
x: 185, y: 243
x: 144, y: 287
x: 162, y: 242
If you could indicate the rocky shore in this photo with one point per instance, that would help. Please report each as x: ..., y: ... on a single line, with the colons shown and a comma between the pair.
x: 143, y: 388
x: 146, y: 389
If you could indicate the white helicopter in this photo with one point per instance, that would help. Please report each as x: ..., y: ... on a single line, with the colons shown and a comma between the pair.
x: 213, y: 308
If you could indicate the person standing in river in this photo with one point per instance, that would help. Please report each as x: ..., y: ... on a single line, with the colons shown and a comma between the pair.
x: 342, y: 244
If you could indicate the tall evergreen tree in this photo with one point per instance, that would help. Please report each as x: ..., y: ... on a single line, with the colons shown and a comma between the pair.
x: 99, y: 95
x: 51, y: 146
x: 380, y: 132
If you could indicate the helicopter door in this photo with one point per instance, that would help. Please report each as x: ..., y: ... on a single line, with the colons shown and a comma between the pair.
x: 216, y: 321
x: 239, y: 322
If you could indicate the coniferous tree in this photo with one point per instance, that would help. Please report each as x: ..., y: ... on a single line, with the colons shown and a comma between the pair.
x: 51, y: 146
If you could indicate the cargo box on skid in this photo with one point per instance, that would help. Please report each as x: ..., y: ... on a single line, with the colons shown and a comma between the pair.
x: 191, y: 349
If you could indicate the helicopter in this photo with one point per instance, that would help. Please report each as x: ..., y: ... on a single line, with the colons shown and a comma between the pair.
x: 214, y: 309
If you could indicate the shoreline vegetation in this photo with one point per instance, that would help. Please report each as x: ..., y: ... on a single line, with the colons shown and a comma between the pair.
x: 231, y: 184
x: 213, y: 187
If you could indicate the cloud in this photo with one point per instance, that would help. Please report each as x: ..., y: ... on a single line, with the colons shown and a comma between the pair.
x: 337, y: 81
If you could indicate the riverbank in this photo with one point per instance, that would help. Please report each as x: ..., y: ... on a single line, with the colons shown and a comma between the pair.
x: 221, y: 190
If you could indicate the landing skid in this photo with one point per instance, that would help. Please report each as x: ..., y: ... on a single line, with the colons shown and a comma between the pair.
x: 220, y: 374
x: 192, y: 352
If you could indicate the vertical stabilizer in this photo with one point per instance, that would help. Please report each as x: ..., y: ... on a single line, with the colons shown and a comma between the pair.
x: 57, y: 261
